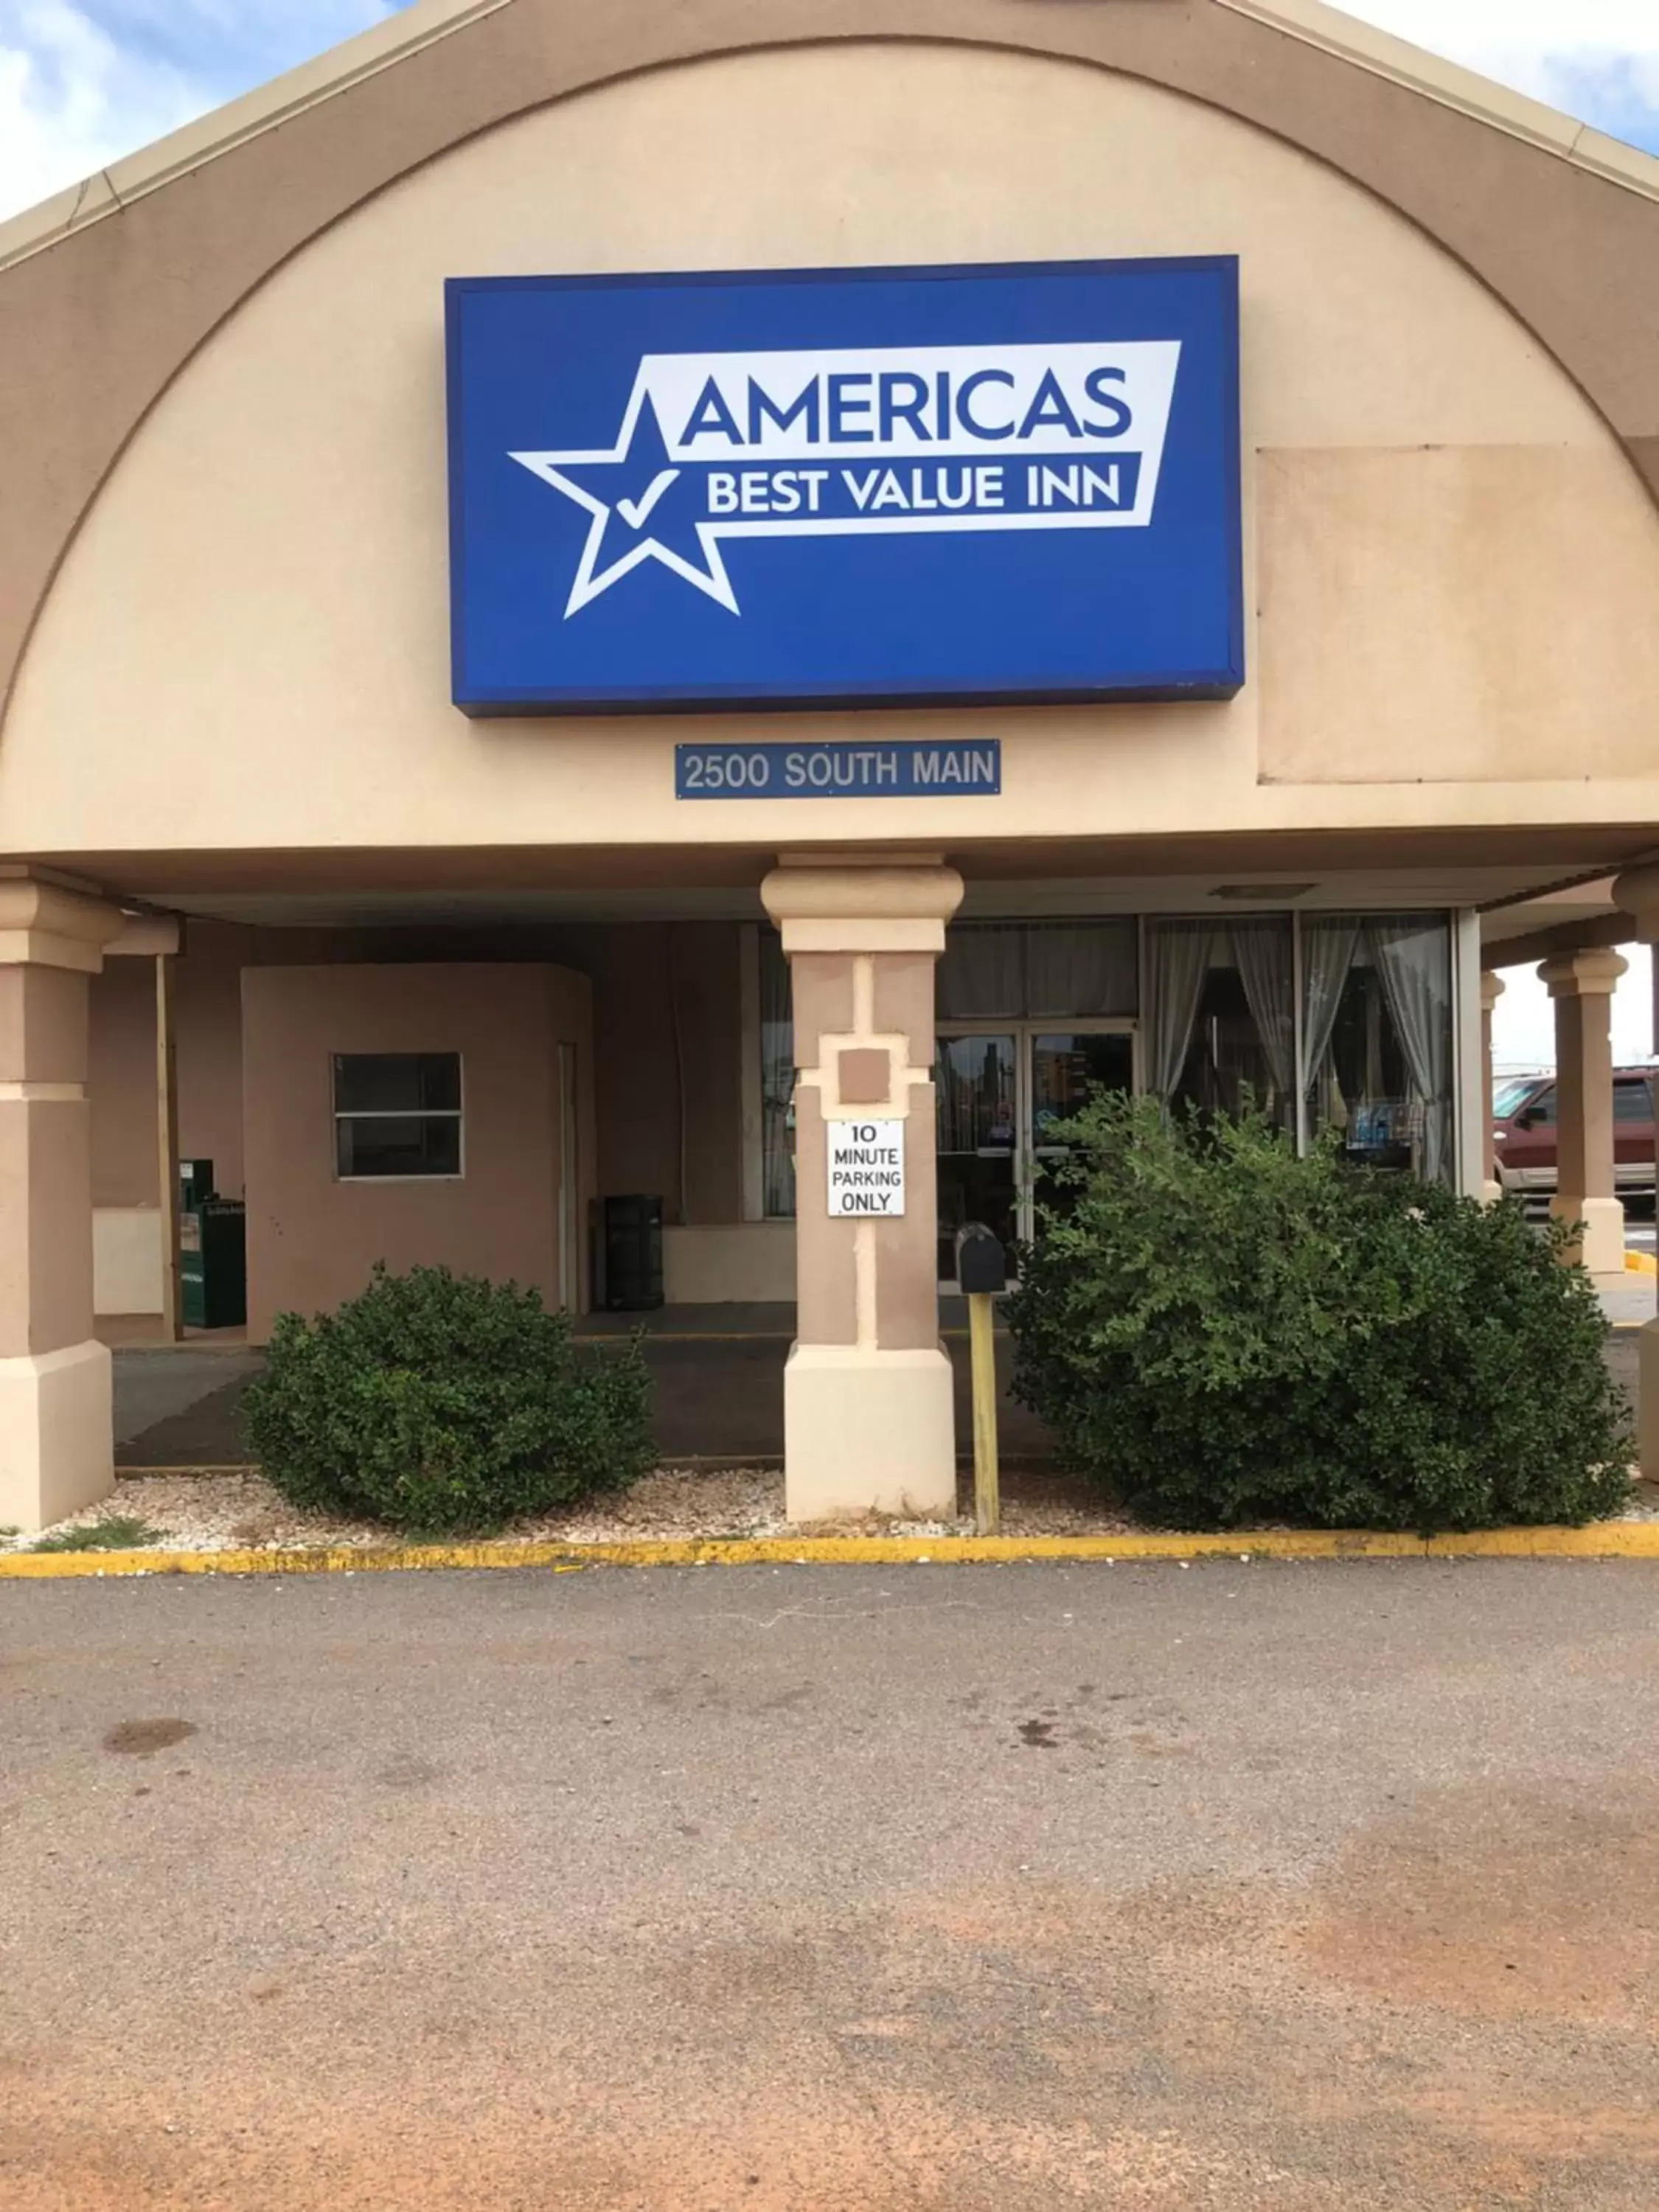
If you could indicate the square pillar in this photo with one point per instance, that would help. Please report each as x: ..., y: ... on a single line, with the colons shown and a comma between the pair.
x: 1582, y: 985
x: 55, y: 1430
x: 1491, y: 1188
x: 868, y: 1399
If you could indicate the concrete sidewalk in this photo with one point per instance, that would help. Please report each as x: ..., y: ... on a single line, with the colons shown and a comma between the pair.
x: 718, y: 1373
x: 1230, y: 1889
x: 718, y: 1392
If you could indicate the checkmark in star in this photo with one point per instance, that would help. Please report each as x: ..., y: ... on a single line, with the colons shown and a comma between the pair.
x: 636, y: 512
x: 653, y: 529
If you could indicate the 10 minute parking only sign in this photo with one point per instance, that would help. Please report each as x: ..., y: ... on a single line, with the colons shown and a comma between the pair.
x: 866, y: 1168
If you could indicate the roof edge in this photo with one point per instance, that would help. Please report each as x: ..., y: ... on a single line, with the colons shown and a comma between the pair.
x: 1343, y: 36
x: 1451, y: 85
x: 430, y: 21
x: 106, y: 191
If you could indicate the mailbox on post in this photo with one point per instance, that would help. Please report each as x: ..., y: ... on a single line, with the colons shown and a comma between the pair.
x: 982, y: 1262
x: 982, y: 1273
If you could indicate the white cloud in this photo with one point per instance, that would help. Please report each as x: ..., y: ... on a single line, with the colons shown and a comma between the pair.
x: 84, y: 81
x: 1598, y: 59
x: 1526, y: 31
x: 70, y: 102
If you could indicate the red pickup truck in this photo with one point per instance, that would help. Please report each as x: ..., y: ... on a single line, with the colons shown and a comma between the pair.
x: 1523, y: 1128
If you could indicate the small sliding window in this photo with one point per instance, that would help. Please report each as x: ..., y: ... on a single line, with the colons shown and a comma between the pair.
x: 397, y: 1114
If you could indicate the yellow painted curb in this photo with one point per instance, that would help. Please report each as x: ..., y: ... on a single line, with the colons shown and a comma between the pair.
x: 1641, y: 1263
x: 1605, y: 1539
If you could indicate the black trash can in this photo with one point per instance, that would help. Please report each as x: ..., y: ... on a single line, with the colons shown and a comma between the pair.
x: 213, y: 1264
x: 628, y: 1263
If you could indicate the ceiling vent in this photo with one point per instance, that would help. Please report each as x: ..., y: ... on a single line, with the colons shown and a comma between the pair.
x: 1269, y: 894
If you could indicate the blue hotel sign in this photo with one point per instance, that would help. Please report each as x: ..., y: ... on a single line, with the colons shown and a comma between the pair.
x: 828, y: 487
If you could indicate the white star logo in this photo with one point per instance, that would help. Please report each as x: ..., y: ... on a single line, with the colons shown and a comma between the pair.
x: 594, y: 575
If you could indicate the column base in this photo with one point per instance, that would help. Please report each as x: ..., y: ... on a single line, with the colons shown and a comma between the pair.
x: 1602, y: 1249
x: 56, y: 1430
x: 1491, y: 1193
x: 868, y: 1433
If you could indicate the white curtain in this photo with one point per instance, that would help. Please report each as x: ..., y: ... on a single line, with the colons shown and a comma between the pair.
x: 981, y: 974
x: 1177, y: 961
x: 1328, y: 947
x: 1263, y: 951
x: 1080, y: 968
x: 1414, y: 959
x: 777, y: 1081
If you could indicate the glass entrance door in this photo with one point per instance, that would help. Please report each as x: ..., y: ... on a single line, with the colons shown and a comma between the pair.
x: 1066, y: 1064
x: 976, y: 1082
x: 1000, y: 1092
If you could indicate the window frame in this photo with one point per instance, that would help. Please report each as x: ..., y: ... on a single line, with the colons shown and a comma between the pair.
x: 456, y: 1114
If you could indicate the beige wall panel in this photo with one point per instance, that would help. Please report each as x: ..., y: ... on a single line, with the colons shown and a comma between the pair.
x: 265, y: 573
x: 1441, y: 615
x: 720, y: 1263
x: 126, y: 1259
x: 121, y: 1087
x: 312, y: 1240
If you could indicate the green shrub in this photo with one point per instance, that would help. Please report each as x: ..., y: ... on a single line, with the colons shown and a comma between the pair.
x: 444, y: 1403
x: 1224, y: 1334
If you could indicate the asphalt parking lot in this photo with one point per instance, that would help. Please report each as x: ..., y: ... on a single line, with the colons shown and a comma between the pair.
x: 1234, y: 1888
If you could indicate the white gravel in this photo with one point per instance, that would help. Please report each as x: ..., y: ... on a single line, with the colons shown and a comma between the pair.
x: 216, y: 1512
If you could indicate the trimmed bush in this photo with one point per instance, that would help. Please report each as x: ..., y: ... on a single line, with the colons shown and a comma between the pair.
x: 1225, y: 1334
x: 447, y: 1404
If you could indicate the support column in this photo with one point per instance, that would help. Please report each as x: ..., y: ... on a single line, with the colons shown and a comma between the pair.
x: 1637, y: 893
x: 1582, y: 985
x: 1491, y: 990
x: 867, y: 1392
x: 56, y: 1450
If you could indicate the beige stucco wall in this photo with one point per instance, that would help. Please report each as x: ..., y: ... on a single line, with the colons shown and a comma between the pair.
x: 265, y: 573
x: 312, y: 1240
x: 668, y: 1057
x: 734, y: 1261
x: 121, y: 1085
x: 666, y: 1062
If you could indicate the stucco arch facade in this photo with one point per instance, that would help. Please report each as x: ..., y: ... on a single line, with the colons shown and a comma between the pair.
x: 1452, y: 562
x: 225, y: 695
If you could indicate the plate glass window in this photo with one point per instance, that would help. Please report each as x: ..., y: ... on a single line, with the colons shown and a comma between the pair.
x: 397, y: 1113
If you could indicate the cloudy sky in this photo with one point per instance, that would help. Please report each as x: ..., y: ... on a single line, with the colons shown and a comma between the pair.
x: 82, y: 82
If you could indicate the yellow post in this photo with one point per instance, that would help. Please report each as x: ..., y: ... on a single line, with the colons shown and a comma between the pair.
x: 982, y: 1339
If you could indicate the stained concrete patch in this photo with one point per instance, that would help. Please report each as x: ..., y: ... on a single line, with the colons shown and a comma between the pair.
x: 1505, y: 1905
x: 143, y: 1739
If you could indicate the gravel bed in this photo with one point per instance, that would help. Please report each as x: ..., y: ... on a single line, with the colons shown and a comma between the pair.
x: 217, y: 1512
